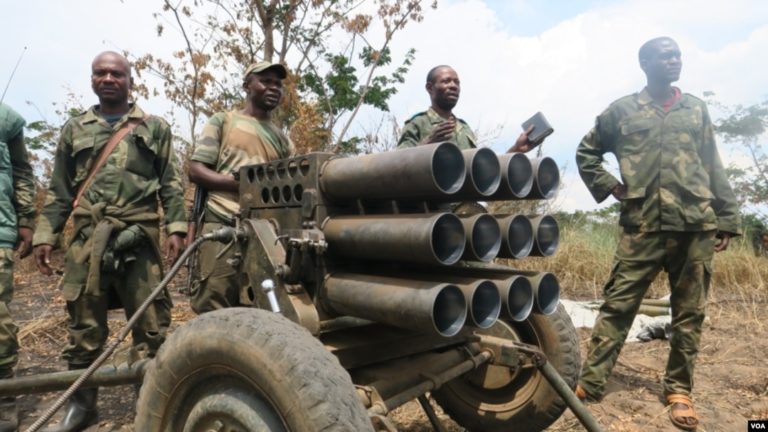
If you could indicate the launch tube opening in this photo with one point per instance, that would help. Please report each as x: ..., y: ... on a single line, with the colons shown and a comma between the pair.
x: 486, y: 305
x: 485, y: 171
x: 449, y: 311
x: 448, y: 239
x: 519, y: 175
x: 448, y: 168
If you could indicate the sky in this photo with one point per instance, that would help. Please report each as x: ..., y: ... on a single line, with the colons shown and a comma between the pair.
x: 567, y: 59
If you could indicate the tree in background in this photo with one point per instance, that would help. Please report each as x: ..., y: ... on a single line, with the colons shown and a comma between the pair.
x: 744, y: 127
x: 327, y: 86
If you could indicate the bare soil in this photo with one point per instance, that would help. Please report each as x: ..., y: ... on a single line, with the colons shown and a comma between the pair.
x: 731, y: 372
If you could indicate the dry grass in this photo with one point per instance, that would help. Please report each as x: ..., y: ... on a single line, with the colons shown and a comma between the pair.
x: 583, y: 263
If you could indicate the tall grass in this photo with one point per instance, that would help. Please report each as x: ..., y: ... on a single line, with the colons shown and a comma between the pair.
x: 585, y: 256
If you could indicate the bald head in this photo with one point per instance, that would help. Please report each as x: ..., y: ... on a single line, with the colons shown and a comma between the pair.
x: 113, y: 57
x: 650, y: 48
x: 111, y: 81
x: 432, y: 74
x: 660, y: 59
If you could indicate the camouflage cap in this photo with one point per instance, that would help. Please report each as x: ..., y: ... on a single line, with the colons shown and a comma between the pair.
x: 264, y: 65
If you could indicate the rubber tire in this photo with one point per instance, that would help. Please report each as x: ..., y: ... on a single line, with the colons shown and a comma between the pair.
x: 239, y: 363
x: 528, y: 402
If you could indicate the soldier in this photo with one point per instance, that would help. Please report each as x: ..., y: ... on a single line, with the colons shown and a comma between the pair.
x: 229, y: 141
x: 114, y: 252
x: 17, y: 215
x: 677, y: 208
x: 438, y: 123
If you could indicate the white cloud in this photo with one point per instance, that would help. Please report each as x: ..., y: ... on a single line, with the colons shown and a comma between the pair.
x: 570, y: 71
x: 573, y: 70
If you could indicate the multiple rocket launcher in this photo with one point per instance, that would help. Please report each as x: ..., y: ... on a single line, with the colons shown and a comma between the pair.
x: 396, y: 254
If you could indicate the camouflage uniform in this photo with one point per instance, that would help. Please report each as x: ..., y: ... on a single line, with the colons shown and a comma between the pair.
x: 677, y: 198
x: 17, y: 193
x: 113, y: 254
x: 421, y: 125
x: 229, y: 141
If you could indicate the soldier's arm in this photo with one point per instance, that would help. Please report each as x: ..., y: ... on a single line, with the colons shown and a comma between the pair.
x: 410, y: 135
x: 725, y: 204
x: 60, y: 194
x: 202, y: 164
x: 171, y: 189
x: 589, y: 159
x: 23, y: 182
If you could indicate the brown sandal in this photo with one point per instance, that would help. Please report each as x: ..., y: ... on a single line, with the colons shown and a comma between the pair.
x: 685, y: 418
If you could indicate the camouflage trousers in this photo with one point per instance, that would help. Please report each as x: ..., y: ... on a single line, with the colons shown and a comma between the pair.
x: 221, y: 282
x: 9, y: 344
x: 687, y: 258
x: 128, y: 288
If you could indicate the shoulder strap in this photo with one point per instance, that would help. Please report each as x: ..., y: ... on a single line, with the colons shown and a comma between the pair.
x: 101, y: 159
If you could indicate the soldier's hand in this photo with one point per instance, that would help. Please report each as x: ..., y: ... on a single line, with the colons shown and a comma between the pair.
x: 24, y: 245
x: 43, y: 259
x: 522, y: 145
x: 442, y: 132
x: 174, y: 245
x: 619, y: 192
x: 723, y: 239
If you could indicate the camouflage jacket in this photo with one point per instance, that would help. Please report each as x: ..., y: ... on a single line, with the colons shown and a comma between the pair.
x: 668, y: 162
x: 232, y: 140
x: 140, y: 170
x: 421, y: 125
x: 17, y: 182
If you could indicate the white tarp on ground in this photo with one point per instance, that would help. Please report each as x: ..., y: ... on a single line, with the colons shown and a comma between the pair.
x: 584, y: 314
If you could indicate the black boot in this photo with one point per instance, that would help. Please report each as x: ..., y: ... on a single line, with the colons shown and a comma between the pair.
x: 80, y: 411
x: 9, y: 414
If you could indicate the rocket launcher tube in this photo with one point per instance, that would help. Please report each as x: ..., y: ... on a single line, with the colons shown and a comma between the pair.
x: 411, y: 304
x: 432, y: 171
x: 425, y: 239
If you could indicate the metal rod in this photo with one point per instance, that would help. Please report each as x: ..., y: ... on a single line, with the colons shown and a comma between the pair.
x: 431, y: 415
x: 435, y: 381
x: 223, y: 234
x: 561, y: 387
x: 105, y: 376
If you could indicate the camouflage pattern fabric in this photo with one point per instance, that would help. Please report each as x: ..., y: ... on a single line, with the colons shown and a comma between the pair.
x: 221, y: 282
x: 17, y: 195
x: 421, y: 125
x: 687, y: 258
x: 17, y: 181
x: 677, y: 198
x: 141, y: 170
x: 668, y: 161
x: 9, y: 345
x: 128, y: 287
x: 232, y: 140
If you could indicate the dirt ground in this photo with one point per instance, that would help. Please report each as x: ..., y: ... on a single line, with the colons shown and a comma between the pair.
x: 731, y: 373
